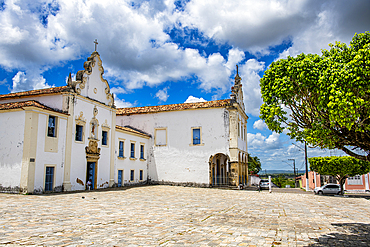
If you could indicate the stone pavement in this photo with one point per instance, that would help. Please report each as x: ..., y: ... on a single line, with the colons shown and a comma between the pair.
x: 183, y: 216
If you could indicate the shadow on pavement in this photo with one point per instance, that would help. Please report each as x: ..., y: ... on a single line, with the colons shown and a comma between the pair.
x: 348, y: 234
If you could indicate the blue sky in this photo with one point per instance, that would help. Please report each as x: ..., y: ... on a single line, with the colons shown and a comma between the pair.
x: 164, y: 52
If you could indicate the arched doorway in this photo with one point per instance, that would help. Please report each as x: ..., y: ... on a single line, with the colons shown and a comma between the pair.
x: 219, y: 170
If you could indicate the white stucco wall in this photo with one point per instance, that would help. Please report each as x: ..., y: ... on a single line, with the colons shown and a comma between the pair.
x: 78, y: 160
x: 180, y: 161
x: 126, y: 164
x: 11, y: 147
x: 44, y: 158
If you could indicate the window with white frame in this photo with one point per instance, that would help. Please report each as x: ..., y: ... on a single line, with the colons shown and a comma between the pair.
x: 196, y: 136
x: 355, y: 180
x: 132, y: 150
x: 132, y: 175
x: 141, y: 175
x: 141, y: 151
x: 120, y: 149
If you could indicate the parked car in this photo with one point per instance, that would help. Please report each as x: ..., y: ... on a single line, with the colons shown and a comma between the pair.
x: 328, y: 189
x: 264, y: 184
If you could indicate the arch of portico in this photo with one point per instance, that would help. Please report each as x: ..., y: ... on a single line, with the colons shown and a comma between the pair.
x: 243, y: 168
x: 219, y: 168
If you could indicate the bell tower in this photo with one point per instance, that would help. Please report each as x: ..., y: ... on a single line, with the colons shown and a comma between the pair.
x: 237, y: 91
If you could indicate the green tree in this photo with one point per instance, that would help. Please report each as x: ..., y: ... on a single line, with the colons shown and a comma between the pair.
x: 339, y: 167
x: 323, y: 100
x: 279, y: 181
x: 254, y: 164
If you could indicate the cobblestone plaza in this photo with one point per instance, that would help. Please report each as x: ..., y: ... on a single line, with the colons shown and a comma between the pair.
x: 183, y: 216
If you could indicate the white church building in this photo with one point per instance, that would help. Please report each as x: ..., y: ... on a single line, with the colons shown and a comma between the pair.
x: 58, y: 139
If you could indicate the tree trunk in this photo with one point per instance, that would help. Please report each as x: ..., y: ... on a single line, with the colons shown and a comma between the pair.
x: 342, y: 180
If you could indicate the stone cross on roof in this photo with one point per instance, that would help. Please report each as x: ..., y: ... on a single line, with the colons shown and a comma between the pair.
x: 96, y: 44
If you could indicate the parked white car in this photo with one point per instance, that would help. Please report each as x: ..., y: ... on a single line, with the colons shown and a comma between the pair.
x: 264, y: 184
x: 328, y: 189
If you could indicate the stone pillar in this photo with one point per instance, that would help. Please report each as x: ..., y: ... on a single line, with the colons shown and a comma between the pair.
x: 112, y: 149
x: 234, y: 174
x: 68, y: 149
x: 27, y: 182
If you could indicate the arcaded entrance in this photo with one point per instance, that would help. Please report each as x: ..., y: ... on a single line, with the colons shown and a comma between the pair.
x: 219, y: 170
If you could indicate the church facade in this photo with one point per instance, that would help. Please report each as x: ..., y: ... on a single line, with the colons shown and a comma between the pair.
x: 74, y: 138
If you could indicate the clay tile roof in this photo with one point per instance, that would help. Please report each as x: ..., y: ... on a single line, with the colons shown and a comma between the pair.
x: 133, y: 130
x: 51, y: 90
x: 30, y: 103
x: 173, y: 107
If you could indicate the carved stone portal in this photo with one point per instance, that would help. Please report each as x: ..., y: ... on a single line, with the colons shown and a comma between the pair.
x: 92, y: 150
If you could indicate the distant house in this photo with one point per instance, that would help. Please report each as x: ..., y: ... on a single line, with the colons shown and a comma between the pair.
x: 64, y: 138
x: 358, y: 183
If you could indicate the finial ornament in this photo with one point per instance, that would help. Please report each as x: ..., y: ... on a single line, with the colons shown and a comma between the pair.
x: 237, y: 77
x: 96, y: 44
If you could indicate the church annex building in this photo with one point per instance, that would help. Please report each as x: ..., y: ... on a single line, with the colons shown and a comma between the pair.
x: 73, y: 137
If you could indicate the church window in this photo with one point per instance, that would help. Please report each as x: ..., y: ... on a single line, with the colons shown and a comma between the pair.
x: 49, y: 178
x: 141, y: 175
x: 142, y: 151
x: 160, y: 136
x: 196, y: 136
x: 104, y: 140
x: 52, y: 126
x: 132, y: 155
x: 132, y: 175
x: 120, y: 151
x: 79, y: 132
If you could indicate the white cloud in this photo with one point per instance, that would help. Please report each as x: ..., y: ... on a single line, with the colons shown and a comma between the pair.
x: 137, y: 50
x: 260, y: 141
x: 192, y: 99
x: 117, y: 90
x: 259, y: 124
x: 28, y: 81
x: 4, y: 82
x: 255, y: 140
x: 252, y: 25
x: 121, y: 103
x: 251, y: 85
x: 162, y: 95
x: 273, y: 141
x: 256, y: 26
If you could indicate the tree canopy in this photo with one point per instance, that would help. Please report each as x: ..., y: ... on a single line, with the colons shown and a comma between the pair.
x: 339, y: 167
x: 323, y: 100
x: 254, y: 164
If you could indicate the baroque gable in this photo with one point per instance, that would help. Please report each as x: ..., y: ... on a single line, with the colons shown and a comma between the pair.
x: 90, y: 82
